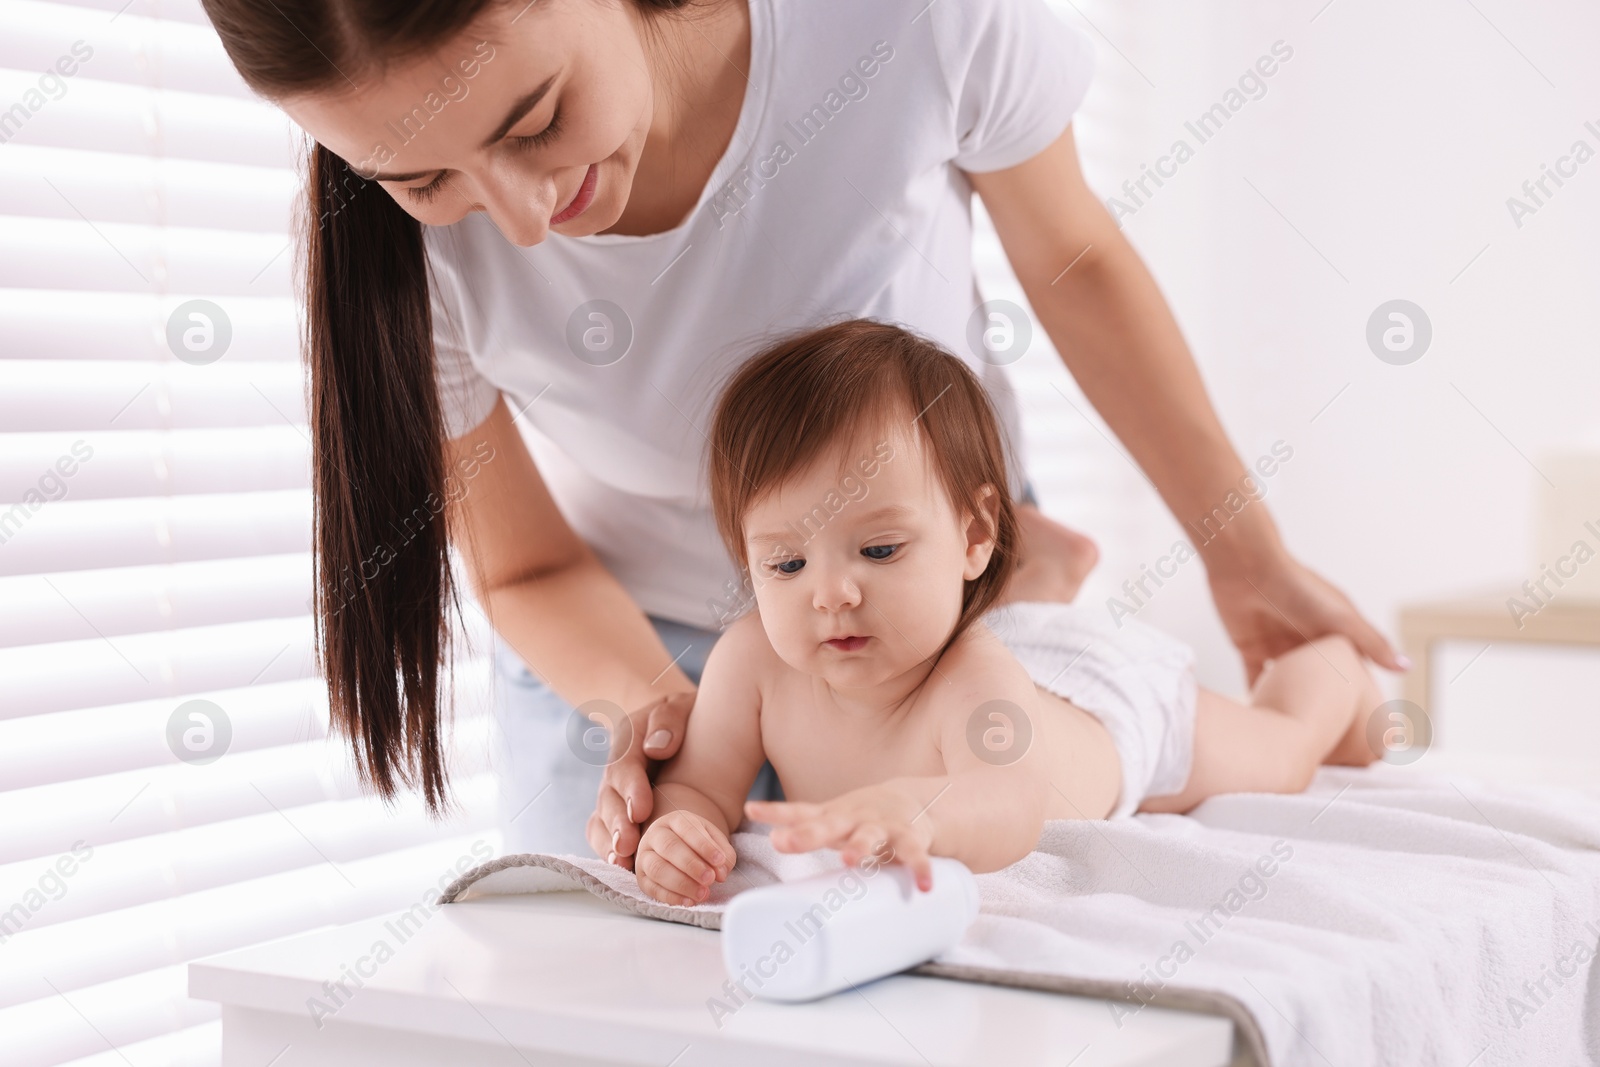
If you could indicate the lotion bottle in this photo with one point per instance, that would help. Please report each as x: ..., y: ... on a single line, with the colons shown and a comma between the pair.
x: 797, y: 941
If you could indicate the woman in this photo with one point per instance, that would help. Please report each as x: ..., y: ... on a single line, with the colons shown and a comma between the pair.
x: 588, y: 211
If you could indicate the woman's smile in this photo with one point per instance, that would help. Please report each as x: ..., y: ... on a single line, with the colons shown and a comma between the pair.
x: 581, y: 199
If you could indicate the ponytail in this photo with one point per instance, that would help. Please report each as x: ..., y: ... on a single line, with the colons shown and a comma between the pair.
x: 382, y: 561
x: 378, y: 447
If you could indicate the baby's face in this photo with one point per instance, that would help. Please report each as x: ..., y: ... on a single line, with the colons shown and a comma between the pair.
x: 858, y: 570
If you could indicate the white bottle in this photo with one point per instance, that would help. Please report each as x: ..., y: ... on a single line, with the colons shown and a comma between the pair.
x: 805, y: 939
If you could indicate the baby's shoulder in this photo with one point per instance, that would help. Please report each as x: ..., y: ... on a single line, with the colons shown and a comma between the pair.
x: 744, y: 647
x: 746, y: 634
x: 980, y: 687
x: 976, y: 668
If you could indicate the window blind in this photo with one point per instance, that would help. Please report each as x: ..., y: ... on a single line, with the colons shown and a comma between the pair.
x: 155, y: 552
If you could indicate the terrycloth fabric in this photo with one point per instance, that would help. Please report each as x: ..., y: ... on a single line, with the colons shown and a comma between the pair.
x: 1135, y: 679
x: 1383, y: 917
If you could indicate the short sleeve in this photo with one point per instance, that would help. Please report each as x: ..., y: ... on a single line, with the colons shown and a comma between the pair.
x: 466, y: 397
x: 1016, y: 73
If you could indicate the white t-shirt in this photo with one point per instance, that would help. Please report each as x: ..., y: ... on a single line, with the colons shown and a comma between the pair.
x: 841, y: 194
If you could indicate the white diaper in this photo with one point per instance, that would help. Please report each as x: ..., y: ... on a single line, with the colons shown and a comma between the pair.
x: 1136, y: 680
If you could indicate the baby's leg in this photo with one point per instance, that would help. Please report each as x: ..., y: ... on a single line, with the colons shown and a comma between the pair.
x: 1309, y: 705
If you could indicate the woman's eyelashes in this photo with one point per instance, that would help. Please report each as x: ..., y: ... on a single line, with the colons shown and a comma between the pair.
x: 427, y: 193
x: 551, y: 131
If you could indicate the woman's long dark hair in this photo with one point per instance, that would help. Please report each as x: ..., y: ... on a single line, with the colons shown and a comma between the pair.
x: 381, y: 542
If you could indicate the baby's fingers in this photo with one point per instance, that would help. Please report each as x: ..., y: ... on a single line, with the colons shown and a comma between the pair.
x: 674, y: 850
x: 664, y: 880
x: 794, y: 825
x: 780, y: 812
x: 709, y: 845
x: 868, y: 839
x: 910, y: 850
x: 826, y: 830
x: 659, y: 891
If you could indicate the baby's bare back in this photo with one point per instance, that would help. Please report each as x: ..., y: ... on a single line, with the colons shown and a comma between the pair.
x: 822, y: 747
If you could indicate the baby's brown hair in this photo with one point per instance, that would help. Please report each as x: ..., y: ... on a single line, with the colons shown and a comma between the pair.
x: 789, y: 403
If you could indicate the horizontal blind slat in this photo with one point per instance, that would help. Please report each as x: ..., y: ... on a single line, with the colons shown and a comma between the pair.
x: 133, y: 49
x: 196, y: 1046
x: 130, y: 874
x: 45, y: 1033
x: 69, y: 324
x: 45, y: 821
x: 102, y: 947
x: 176, y: 663
x: 84, y: 743
x: 91, y: 464
x: 69, y: 253
x: 54, y: 394
x: 124, y: 600
x: 174, y: 10
x: 138, y: 121
x: 66, y: 534
x: 70, y: 183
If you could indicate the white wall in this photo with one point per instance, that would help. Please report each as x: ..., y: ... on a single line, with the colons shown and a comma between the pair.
x: 1390, y: 141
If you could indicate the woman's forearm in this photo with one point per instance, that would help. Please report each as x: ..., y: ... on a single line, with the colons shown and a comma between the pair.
x: 1108, y: 319
x: 1117, y: 336
x: 544, y: 590
x: 578, y: 629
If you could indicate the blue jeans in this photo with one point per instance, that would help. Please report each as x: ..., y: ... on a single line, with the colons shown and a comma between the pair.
x: 548, y: 777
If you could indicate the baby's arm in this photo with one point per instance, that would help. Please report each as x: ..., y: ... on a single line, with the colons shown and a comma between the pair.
x: 986, y: 810
x: 699, y: 794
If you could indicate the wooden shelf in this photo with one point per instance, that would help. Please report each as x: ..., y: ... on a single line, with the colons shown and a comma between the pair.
x: 1489, y: 616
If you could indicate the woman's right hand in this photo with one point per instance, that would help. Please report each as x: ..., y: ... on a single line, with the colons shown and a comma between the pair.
x: 626, y: 798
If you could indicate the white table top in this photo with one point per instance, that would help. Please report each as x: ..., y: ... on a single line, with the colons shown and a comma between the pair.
x: 566, y: 974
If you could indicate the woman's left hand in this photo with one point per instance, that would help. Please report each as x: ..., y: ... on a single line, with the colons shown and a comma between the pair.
x: 861, y: 823
x: 1273, y: 607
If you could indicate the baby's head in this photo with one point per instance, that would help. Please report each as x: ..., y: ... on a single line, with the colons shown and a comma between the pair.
x: 859, y: 474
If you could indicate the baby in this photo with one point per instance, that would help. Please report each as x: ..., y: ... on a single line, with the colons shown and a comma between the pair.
x: 857, y: 472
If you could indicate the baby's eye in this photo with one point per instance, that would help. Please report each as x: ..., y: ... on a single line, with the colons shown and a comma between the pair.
x: 879, y: 551
x: 789, y: 566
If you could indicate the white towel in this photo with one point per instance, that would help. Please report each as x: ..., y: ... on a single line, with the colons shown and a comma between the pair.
x: 1383, y: 917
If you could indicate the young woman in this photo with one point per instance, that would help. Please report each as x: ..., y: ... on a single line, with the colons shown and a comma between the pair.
x: 588, y: 212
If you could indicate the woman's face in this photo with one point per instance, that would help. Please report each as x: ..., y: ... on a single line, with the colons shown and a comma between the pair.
x: 536, y: 115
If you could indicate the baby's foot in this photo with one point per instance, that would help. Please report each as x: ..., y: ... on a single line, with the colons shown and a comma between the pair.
x: 1354, y: 749
x: 1052, y: 562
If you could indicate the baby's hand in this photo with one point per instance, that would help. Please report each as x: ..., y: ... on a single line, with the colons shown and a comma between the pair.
x: 680, y: 856
x: 865, y: 822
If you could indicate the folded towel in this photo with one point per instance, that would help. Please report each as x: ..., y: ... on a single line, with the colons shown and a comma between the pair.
x: 1383, y: 917
x: 537, y: 872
